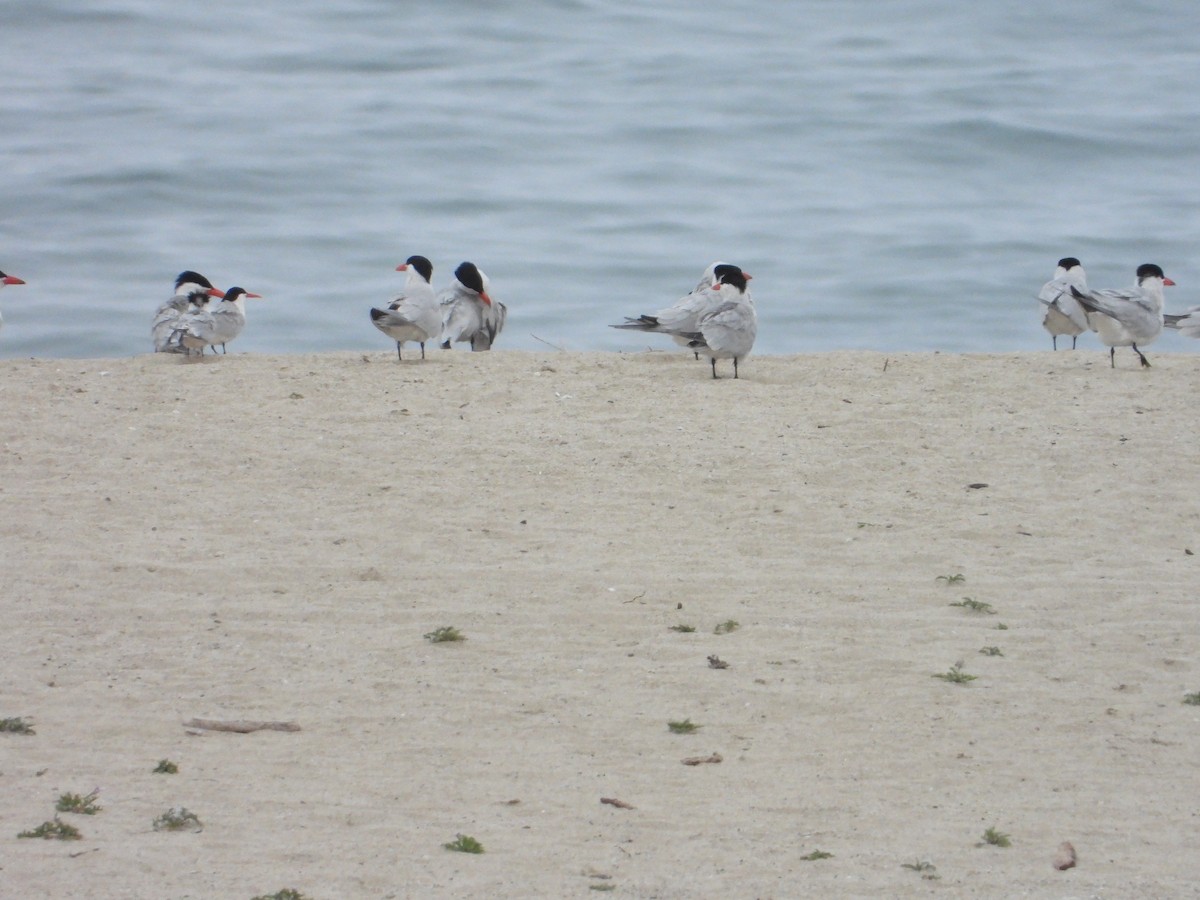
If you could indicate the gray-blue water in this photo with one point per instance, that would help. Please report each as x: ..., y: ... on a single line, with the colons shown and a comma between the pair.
x: 901, y: 174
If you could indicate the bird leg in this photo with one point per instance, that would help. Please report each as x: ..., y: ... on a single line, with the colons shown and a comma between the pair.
x: 1145, y: 362
x: 398, y: 356
x: 735, y: 374
x: 1112, y: 357
x: 714, y: 365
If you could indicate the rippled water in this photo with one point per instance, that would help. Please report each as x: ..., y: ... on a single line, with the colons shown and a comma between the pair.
x: 897, y: 175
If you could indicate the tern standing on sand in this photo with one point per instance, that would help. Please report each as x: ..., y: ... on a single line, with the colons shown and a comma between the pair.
x: 5, y: 280
x: 192, y: 293
x: 415, y: 314
x: 728, y: 330
x: 1130, y: 317
x: 218, y: 326
x: 469, y: 314
x: 683, y: 316
x: 1064, y: 315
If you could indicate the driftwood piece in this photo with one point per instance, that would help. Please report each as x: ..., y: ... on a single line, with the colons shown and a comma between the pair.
x: 698, y: 760
x: 241, y: 726
x: 619, y: 804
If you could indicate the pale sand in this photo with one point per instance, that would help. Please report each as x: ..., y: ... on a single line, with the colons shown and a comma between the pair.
x: 271, y: 537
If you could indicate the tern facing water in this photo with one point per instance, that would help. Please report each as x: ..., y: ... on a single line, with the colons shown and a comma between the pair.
x: 1064, y: 315
x: 1127, y: 318
x: 415, y: 314
x: 192, y: 293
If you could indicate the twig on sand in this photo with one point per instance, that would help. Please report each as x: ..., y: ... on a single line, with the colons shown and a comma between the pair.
x: 243, y: 726
x: 547, y: 343
x: 619, y: 804
x: 698, y: 760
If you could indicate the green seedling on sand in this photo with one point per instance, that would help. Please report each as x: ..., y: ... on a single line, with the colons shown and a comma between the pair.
x: 16, y: 726
x: 1192, y: 699
x: 166, y: 767
x: 816, y: 854
x: 975, y: 606
x: 996, y: 838
x: 53, y: 831
x: 285, y: 894
x: 926, y: 869
x: 445, y: 634
x: 464, y: 843
x: 991, y: 651
x: 726, y: 627
x: 687, y: 726
x: 177, y: 818
x: 956, y: 675
x: 602, y: 887
x: 952, y: 579
x: 74, y: 803
x: 683, y: 629
x: 1000, y: 626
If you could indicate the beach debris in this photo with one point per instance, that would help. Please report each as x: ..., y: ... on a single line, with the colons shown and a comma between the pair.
x: 619, y: 804
x: 715, y: 662
x: 241, y: 726
x: 1065, y: 857
x: 977, y: 485
x: 701, y: 760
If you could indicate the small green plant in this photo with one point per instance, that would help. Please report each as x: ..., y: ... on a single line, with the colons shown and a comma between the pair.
x: 683, y: 629
x: 177, y: 818
x: 975, y: 606
x: 996, y: 838
x: 74, y: 803
x: 602, y: 887
x: 166, y: 767
x: 955, y: 675
x: 53, y: 831
x: 926, y: 869
x: 729, y: 625
x: 1000, y: 626
x: 952, y: 579
x: 816, y: 854
x: 17, y: 725
x: 464, y: 843
x: 285, y: 894
x: 687, y: 726
x: 445, y: 634
x: 1192, y: 699
x: 991, y: 651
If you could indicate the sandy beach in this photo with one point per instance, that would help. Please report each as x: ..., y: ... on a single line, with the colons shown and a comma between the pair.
x: 272, y: 538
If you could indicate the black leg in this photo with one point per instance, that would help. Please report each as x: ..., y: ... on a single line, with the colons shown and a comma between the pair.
x: 398, y: 355
x: 1141, y: 356
x: 445, y: 345
x: 1074, y: 338
x: 1054, y: 340
x: 735, y: 375
x: 697, y: 355
x: 422, y: 349
x: 714, y: 365
x: 1112, y: 357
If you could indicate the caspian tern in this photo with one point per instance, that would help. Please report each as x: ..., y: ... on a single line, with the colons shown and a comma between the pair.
x: 219, y: 325
x: 727, y: 331
x: 415, y: 314
x: 1127, y: 318
x: 683, y: 316
x: 468, y: 313
x: 1064, y: 315
x: 8, y: 279
x: 192, y: 293
x: 1186, y: 323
